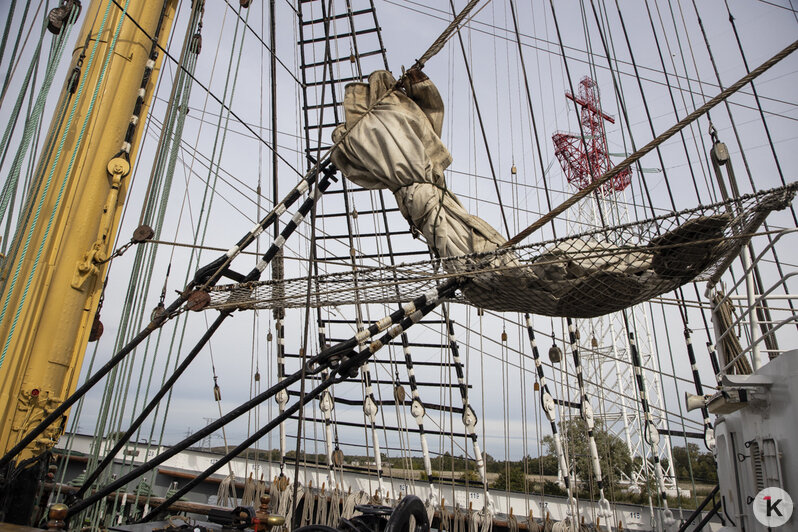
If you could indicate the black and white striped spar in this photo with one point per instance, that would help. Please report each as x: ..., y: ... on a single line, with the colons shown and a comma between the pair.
x: 205, y: 277
x: 341, y: 365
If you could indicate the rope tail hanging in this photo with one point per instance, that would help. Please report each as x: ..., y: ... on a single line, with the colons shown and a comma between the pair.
x: 586, y: 413
x: 469, y: 416
x: 651, y: 434
x: 633, y: 158
x: 551, y: 411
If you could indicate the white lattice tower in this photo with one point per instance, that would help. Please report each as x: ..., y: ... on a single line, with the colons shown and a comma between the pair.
x: 604, y: 344
x: 607, y: 366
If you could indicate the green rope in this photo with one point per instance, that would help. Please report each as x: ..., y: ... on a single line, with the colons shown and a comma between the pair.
x: 72, y: 160
x: 61, y: 42
x: 141, y: 281
x: 11, y: 181
x: 134, y: 309
x: 7, y: 79
x: 8, y: 28
x: 175, y: 343
x: 50, y: 177
x: 33, y: 183
x: 211, y: 172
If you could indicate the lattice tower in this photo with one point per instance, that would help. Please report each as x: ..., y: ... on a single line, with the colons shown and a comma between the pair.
x: 608, y: 371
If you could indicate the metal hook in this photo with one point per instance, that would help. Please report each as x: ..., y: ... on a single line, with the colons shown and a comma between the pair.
x: 713, y: 133
x: 742, y: 457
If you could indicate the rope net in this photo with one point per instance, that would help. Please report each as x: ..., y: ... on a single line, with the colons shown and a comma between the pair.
x: 582, y: 276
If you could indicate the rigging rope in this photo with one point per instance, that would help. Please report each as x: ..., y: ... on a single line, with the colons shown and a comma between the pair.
x: 586, y: 412
x: 347, y: 368
x: 138, y: 287
x: 38, y: 210
x: 469, y: 417
x: 551, y: 411
x: 543, y: 220
x: 438, y: 44
x: 12, y: 65
x: 482, y: 127
x: 9, y: 190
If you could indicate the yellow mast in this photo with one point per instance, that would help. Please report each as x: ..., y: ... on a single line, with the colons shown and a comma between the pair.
x: 58, y: 275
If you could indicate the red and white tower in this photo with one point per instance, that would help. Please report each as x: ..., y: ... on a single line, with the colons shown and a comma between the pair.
x: 604, y: 340
x: 585, y: 161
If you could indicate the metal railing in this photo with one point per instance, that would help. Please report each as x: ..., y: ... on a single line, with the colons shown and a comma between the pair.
x: 746, y: 307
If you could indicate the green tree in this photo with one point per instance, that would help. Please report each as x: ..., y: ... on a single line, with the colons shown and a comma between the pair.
x: 703, y: 464
x: 492, y: 465
x: 470, y: 475
x: 613, y: 453
x: 511, y: 478
x: 543, y: 465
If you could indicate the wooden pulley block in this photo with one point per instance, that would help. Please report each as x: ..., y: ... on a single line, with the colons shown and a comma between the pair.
x: 61, y: 14
x: 142, y: 234
x: 96, y: 329
x: 198, y: 300
x: 399, y: 394
x: 555, y: 354
x: 338, y: 457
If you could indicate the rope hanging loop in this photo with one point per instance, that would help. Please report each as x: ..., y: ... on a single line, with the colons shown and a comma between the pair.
x: 370, y: 408
x: 281, y: 398
x: 326, y: 402
x: 469, y: 417
x: 587, y: 415
x: 418, y: 410
x: 651, y: 433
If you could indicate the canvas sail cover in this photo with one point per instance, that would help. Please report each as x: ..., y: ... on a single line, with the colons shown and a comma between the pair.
x: 391, y: 140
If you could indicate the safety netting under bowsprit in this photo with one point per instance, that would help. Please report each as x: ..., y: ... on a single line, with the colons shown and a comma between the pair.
x: 581, y: 276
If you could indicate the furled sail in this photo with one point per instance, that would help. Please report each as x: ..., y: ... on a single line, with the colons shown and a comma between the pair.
x: 391, y: 139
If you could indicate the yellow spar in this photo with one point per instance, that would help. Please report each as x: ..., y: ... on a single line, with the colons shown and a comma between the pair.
x: 59, y: 268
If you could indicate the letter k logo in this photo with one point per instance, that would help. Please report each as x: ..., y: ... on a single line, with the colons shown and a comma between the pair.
x: 772, y: 507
